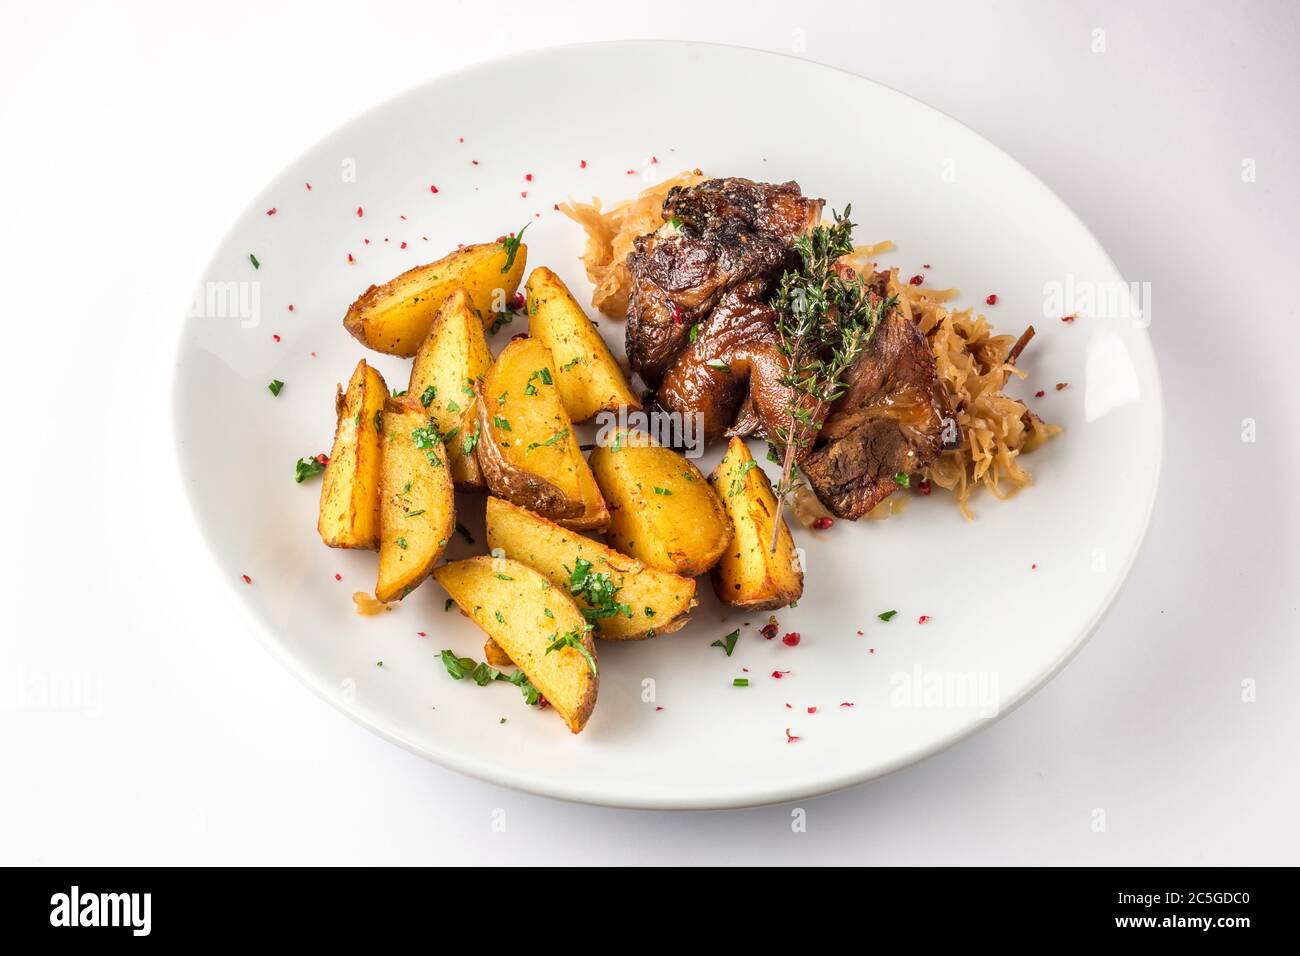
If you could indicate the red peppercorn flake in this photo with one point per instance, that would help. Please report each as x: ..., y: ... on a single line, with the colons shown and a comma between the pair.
x: 290, y: 306
x: 433, y: 189
x: 322, y: 458
x: 1067, y: 319
x: 657, y: 709
x: 272, y: 211
x: 350, y: 259
x: 925, y: 265
x: 792, y: 639
x: 788, y: 707
x: 846, y: 703
x: 871, y: 650
x: 528, y: 177
x: 337, y: 576
x: 360, y: 212
x: 924, y: 486
x: 276, y: 336
x: 313, y: 354
x: 366, y: 241
x: 403, y: 246
x: 777, y: 675
x: 308, y: 185
x: 247, y: 579
x: 924, y: 618
x: 768, y: 630
x: 822, y: 523
x: 474, y: 162
x: 556, y: 207
x: 916, y: 279
x: 812, y: 710
x: 789, y: 737
x: 1061, y: 386
x: 460, y: 139
x: 1039, y: 394
x: 421, y: 634
x: 1033, y: 567
x: 582, y: 164
x: 523, y: 194
x: 518, y: 301
x: 677, y: 316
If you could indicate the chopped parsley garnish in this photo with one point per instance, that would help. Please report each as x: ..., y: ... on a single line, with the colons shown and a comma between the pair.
x: 427, y: 439
x: 306, y: 468
x: 728, y: 643
x: 662, y: 491
x: 253, y: 259
x: 414, y: 514
x: 499, y: 617
x: 886, y: 615
x: 559, y: 436
x: 483, y: 674
x: 511, y: 245
x: 501, y: 423
x: 649, y: 612
x: 546, y: 375
x: 397, y: 394
x: 379, y: 421
x: 428, y: 395
x: 504, y: 577
x: 401, y: 543
x: 597, y: 589
x: 573, y: 639
x: 275, y: 386
x: 719, y: 366
x: 452, y: 405
x: 467, y: 446
x: 740, y: 682
x: 503, y: 318
x: 695, y: 332
x: 568, y: 366
x: 903, y: 479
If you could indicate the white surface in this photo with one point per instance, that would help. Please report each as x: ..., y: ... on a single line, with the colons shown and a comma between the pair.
x: 136, y: 137
x: 1063, y: 551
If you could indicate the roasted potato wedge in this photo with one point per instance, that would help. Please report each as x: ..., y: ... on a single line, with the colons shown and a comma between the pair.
x: 416, y: 504
x: 653, y: 601
x: 661, y: 509
x: 750, y: 575
x: 451, y: 359
x: 525, y: 615
x: 349, y: 494
x: 395, y: 317
x: 526, y: 448
x: 589, y: 378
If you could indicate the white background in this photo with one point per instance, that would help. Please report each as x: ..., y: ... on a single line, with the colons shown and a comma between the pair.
x: 132, y: 138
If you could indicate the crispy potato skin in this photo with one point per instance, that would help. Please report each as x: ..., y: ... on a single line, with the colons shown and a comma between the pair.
x: 527, y: 448
x: 416, y: 506
x: 349, y: 494
x: 551, y: 549
x: 509, y: 601
x: 496, y: 657
x: 453, y: 356
x: 589, y: 377
x: 749, y: 575
x: 395, y: 317
x: 662, y: 510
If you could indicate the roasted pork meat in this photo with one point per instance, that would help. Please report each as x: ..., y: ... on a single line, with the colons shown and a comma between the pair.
x: 712, y: 267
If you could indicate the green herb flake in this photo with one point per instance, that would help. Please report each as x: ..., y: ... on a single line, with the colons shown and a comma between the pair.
x: 401, y: 543
x: 306, y: 468
x: 662, y: 491
x: 719, y: 366
x: 738, y: 482
x: 740, y: 682
x: 728, y: 643
x: 511, y: 245
x: 253, y: 259
x: 452, y: 405
x: 573, y: 639
x: 903, y: 480
x: 428, y: 395
x: 275, y: 387
x: 501, y: 423
x: 886, y: 615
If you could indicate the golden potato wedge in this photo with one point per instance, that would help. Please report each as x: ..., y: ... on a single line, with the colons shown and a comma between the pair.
x: 526, y: 447
x: 646, y: 601
x: 496, y: 657
x: 536, y: 625
x: 661, y: 509
x: 349, y: 494
x: 416, y: 504
x: 451, y: 359
x: 395, y: 317
x: 589, y: 378
x: 750, y: 575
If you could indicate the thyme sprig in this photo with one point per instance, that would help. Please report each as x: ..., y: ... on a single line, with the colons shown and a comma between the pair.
x: 825, y: 318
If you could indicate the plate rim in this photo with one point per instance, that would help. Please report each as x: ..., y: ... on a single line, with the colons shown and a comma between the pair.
x: 503, y: 775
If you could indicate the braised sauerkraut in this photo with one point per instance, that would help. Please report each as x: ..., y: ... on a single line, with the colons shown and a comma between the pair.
x: 610, y: 236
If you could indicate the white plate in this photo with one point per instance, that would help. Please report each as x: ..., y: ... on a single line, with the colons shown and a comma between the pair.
x: 1010, y: 596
